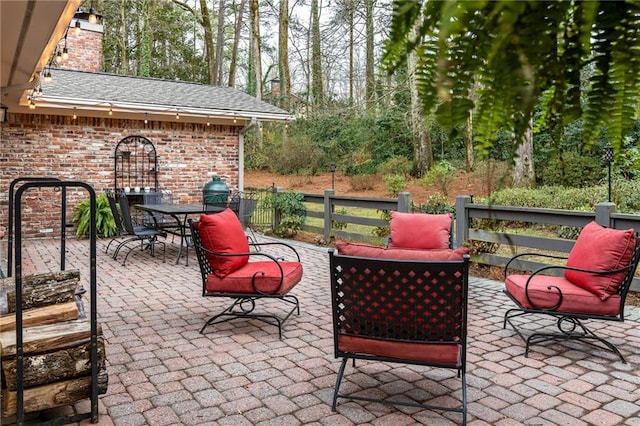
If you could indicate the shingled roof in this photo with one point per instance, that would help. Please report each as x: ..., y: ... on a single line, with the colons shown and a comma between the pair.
x: 101, y: 91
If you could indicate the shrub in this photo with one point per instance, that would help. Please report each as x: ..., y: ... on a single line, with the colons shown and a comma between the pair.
x: 105, y: 223
x: 337, y: 224
x: 363, y: 182
x: 383, y: 231
x: 436, y: 204
x: 440, y: 175
x: 572, y: 169
x: 493, y: 174
x: 395, y: 165
x: 394, y: 183
x: 291, y: 209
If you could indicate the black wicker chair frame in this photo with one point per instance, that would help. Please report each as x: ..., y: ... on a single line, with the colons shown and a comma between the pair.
x: 570, y: 326
x: 399, y: 311
x: 243, y: 305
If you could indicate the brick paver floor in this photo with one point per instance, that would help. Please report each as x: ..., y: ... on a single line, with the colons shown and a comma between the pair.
x: 163, y: 372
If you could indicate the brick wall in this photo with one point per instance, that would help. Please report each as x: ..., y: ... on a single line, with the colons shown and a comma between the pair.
x: 82, y: 150
x: 85, y: 49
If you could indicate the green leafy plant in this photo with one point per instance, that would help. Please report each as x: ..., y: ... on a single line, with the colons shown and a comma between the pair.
x: 394, y: 183
x: 436, y: 204
x: 337, y: 224
x: 291, y: 210
x: 395, y: 165
x: 440, y: 175
x: 105, y: 224
x: 383, y: 231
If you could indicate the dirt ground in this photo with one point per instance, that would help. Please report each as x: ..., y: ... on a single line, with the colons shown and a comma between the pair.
x: 462, y: 184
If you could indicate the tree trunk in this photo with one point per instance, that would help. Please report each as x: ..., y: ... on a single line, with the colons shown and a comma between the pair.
x: 236, y: 42
x: 256, y: 56
x: 219, y: 58
x: 422, y: 153
x: 317, y: 91
x: 468, y: 143
x: 208, y: 42
x: 351, y: 51
x: 370, y: 72
x: 283, y: 56
x: 122, y: 41
x: 523, y: 170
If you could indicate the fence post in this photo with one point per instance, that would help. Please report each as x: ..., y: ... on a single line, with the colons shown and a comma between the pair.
x: 328, y: 212
x: 603, y: 213
x: 404, y: 202
x: 277, y: 214
x: 462, y: 218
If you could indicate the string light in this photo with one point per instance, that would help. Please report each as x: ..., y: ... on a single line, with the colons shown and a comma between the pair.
x: 208, y: 122
x: 110, y: 110
x: 65, y: 53
x: 235, y: 118
x: 32, y: 105
x: 58, y: 57
x: 177, y: 114
x: 47, y: 76
x: 146, y: 120
x: 74, y: 113
x: 77, y: 28
x: 93, y: 18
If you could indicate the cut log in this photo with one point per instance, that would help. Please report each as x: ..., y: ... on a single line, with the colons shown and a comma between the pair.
x: 51, y: 353
x: 38, y: 316
x: 39, y: 290
x: 53, y: 394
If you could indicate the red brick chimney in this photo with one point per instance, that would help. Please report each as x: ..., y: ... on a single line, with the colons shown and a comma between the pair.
x: 84, y: 43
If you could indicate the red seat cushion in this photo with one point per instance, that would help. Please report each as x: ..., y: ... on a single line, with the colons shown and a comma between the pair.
x: 268, y: 278
x: 448, y: 354
x: 599, y: 248
x: 223, y: 233
x: 575, y: 299
x: 365, y: 250
x: 420, y: 230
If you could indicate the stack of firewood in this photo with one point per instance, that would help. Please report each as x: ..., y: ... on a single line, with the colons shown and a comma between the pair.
x: 56, y: 344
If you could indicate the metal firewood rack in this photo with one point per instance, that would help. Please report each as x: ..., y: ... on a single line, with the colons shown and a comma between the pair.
x: 17, y: 189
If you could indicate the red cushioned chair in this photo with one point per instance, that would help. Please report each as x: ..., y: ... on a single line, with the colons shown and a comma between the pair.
x: 400, y: 311
x: 232, y: 268
x: 594, y: 286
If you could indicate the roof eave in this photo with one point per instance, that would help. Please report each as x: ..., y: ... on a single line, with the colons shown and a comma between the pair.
x: 75, y: 105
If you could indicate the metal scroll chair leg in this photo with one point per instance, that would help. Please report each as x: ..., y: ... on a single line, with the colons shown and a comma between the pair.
x: 336, y: 391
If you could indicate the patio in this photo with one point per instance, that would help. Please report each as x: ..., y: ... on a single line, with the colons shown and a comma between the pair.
x: 163, y: 372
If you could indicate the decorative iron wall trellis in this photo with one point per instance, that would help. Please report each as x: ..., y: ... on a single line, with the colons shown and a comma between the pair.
x: 135, y: 164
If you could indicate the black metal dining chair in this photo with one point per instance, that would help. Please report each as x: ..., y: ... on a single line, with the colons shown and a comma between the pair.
x: 146, y: 236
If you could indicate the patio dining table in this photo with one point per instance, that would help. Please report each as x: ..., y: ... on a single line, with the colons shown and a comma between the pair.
x: 179, y: 212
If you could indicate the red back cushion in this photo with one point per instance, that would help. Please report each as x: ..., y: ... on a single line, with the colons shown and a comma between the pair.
x: 599, y: 248
x: 420, y: 230
x: 223, y: 233
x: 364, y: 250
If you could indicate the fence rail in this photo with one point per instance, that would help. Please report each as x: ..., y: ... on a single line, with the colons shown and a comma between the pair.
x: 325, y: 217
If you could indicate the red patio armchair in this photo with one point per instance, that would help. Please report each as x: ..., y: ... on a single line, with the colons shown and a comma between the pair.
x: 232, y: 268
x: 400, y: 311
x: 593, y: 286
